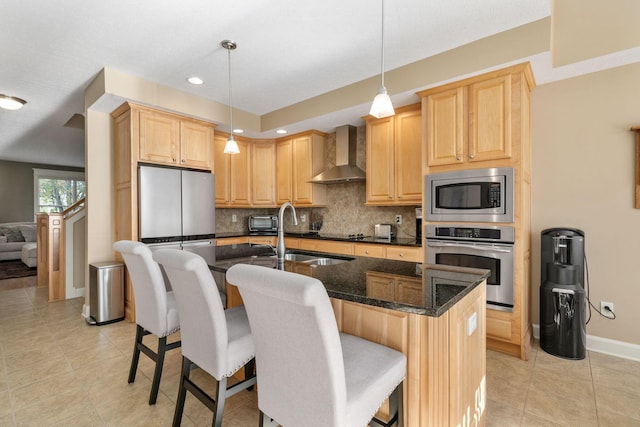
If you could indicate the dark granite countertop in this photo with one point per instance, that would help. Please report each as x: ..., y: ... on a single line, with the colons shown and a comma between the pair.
x: 434, y: 289
x: 328, y: 236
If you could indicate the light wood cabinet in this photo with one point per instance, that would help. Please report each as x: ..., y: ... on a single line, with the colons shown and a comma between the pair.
x: 446, y: 364
x: 329, y: 246
x: 166, y: 138
x: 142, y: 134
x: 263, y: 240
x: 469, y: 121
x: 226, y: 241
x: 391, y: 287
x: 370, y: 250
x: 398, y: 253
x: 298, y: 159
x: 263, y: 173
x: 485, y: 122
x: 233, y: 183
x: 404, y: 253
x: 394, y: 167
x: 248, y: 178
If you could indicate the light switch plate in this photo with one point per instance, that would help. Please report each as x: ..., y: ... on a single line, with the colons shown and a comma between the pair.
x: 472, y: 323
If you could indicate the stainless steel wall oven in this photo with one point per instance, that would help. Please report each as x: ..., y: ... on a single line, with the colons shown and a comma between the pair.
x: 487, y: 247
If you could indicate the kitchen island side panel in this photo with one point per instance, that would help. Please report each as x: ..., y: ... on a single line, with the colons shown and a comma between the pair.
x: 446, y: 363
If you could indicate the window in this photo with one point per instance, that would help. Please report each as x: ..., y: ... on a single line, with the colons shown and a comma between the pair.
x: 56, y: 190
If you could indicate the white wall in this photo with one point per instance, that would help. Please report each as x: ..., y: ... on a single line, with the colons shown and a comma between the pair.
x: 583, y: 177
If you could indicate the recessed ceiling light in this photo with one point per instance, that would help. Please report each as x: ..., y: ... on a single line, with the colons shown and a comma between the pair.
x: 281, y: 131
x: 195, y: 80
x: 11, y: 102
x: 238, y: 131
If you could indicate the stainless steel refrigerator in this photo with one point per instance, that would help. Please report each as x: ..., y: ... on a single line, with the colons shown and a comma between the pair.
x: 176, y: 206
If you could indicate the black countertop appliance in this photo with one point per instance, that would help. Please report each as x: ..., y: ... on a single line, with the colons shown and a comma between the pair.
x: 563, y: 330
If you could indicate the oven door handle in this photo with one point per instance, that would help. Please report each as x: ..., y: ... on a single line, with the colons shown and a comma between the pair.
x: 462, y: 245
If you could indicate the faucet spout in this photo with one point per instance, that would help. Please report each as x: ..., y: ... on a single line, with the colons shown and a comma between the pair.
x: 280, y: 248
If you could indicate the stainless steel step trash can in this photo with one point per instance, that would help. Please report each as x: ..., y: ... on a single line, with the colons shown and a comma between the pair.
x: 106, y: 288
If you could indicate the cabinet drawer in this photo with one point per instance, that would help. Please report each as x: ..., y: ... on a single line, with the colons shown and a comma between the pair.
x: 403, y: 253
x: 374, y: 251
x: 232, y: 241
x: 327, y: 246
x: 263, y: 240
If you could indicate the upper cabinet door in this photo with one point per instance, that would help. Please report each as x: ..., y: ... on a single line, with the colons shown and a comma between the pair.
x: 490, y: 119
x: 196, y: 142
x: 408, y: 147
x: 240, y: 177
x: 222, y: 170
x: 445, y: 127
x: 302, y: 169
x: 284, y: 173
x: 263, y: 170
x: 159, y: 137
x: 380, y: 161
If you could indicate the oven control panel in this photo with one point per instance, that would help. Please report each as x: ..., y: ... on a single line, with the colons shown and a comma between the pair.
x: 486, y: 233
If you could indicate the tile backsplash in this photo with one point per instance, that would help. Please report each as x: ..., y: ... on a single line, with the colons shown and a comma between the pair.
x: 345, y: 213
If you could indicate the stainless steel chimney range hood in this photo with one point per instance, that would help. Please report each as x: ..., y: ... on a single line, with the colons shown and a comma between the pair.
x: 346, y: 152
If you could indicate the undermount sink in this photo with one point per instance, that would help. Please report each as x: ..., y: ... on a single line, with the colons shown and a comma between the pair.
x: 314, y: 260
x: 326, y: 261
x: 299, y: 257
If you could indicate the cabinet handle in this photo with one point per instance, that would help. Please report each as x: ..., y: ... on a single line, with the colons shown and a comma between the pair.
x: 366, y: 252
x: 183, y: 160
x: 401, y: 254
x: 458, y: 158
x: 471, y: 156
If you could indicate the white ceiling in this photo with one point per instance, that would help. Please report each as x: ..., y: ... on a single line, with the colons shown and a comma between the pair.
x: 288, y: 51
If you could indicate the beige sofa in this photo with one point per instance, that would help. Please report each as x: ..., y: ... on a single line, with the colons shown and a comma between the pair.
x: 18, y: 241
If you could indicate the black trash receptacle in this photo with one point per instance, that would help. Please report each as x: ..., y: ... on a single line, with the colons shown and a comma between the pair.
x: 106, y: 292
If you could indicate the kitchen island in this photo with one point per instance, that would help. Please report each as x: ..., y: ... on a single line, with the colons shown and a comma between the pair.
x: 433, y: 314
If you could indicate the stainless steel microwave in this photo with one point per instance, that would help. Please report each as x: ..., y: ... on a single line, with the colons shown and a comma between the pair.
x: 474, y: 195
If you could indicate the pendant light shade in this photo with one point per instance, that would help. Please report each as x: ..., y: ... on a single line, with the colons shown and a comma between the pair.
x: 382, y: 106
x: 11, y: 102
x: 231, y: 147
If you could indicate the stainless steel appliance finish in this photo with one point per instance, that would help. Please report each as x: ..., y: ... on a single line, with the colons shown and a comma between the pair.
x: 487, y: 247
x: 384, y: 231
x: 267, y: 224
x: 106, y: 284
x: 176, y: 205
x: 346, y: 152
x: 477, y: 195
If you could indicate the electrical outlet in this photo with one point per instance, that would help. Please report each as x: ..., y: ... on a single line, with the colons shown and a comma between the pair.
x: 234, y: 218
x: 606, y: 308
x: 303, y: 218
x: 399, y: 219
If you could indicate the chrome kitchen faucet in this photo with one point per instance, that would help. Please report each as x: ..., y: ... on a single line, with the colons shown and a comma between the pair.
x: 280, y: 249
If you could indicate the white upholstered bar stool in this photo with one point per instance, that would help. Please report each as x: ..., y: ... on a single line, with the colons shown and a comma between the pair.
x: 156, y: 311
x: 218, y: 341
x: 309, y: 374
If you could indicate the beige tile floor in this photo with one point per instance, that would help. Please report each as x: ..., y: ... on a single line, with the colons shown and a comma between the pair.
x: 57, y: 370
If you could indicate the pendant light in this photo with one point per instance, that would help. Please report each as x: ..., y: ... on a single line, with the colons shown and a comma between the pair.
x: 11, y: 102
x: 382, y: 106
x: 231, y: 147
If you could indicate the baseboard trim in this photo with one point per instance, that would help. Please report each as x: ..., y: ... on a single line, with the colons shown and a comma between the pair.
x: 605, y: 345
